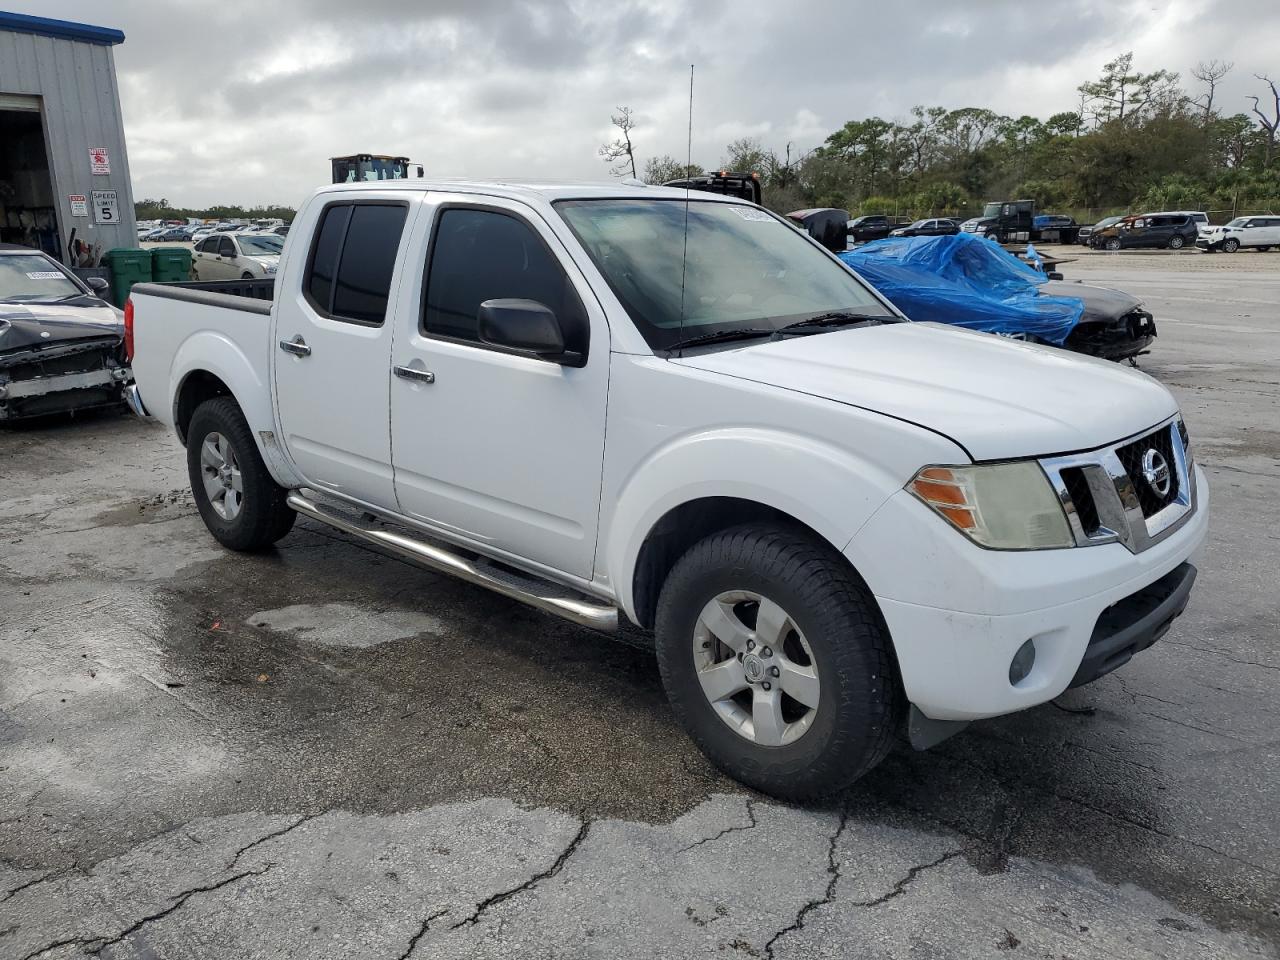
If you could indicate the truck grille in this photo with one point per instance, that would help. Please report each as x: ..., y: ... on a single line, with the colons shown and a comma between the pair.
x: 1131, y: 458
x: 1136, y: 492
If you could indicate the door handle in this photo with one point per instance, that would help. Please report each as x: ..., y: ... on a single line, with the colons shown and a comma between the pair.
x: 414, y: 373
x: 297, y: 346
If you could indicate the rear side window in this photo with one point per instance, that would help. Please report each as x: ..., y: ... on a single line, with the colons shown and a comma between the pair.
x: 480, y: 255
x: 353, y: 259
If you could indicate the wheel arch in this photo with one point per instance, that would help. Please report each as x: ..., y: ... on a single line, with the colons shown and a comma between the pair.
x: 677, y: 530
x: 209, y: 364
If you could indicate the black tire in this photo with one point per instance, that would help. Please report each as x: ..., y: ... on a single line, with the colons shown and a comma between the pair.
x: 860, y: 703
x: 263, y: 517
x: 1111, y: 243
x: 1230, y: 245
x: 1176, y: 243
x: 1263, y: 249
x: 246, y: 275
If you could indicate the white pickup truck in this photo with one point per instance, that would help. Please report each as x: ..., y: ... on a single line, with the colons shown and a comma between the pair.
x: 604, y: 399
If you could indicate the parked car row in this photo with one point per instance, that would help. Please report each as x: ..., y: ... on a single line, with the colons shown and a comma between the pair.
x: 194, y: 232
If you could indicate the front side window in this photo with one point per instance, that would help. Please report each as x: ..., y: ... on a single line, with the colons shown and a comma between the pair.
x: 353, y: 260
x: 226, y: 247
x: 479, y: 255
x: 745, y: 269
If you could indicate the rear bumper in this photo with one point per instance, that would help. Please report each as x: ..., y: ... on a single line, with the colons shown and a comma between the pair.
x: 958, y: 614
x: 133, y: 397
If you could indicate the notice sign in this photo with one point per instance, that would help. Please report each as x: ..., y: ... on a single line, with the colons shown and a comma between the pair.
x: 105, y: 209
x: 79, y: 205
x: 99, y: 162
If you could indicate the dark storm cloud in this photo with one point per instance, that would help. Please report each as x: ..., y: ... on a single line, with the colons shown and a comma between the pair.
x: 245, y: 101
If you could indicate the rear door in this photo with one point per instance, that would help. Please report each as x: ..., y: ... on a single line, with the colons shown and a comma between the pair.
x: 332, y: 343
x: 499, y: 448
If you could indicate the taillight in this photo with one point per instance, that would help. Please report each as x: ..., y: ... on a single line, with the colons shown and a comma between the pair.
x: 128, y: 329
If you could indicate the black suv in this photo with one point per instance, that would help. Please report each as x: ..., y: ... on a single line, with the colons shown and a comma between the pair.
x: 1170, y: 230
x: 862, y: 229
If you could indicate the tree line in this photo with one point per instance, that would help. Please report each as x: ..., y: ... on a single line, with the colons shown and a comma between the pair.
x: 160, y: 209
x: 1134, y: 140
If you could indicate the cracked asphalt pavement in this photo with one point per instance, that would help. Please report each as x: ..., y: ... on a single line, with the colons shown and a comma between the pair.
x: 324, y: 752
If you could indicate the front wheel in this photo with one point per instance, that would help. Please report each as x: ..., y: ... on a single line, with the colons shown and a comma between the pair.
x: 1175, y: 243
x: 237, y: 497
x: 777, y: 662
x: 1230, y: 245
x: 1113, y: 243
x: 246, y: 275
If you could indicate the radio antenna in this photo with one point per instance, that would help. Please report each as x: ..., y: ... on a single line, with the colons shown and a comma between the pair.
x: 688, y: 172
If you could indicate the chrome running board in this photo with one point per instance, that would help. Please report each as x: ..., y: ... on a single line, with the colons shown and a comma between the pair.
x: 541, y: 594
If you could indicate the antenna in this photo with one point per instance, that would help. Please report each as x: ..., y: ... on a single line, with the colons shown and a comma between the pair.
x: 688, y: 164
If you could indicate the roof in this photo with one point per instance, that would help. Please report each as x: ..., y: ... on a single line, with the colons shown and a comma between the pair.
x: 18, y: 248
x: 60, y: 29
x: 543, y: 190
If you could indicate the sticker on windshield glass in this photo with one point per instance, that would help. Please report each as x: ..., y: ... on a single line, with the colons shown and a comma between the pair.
x: 44, y: 275
x: 747, y: 213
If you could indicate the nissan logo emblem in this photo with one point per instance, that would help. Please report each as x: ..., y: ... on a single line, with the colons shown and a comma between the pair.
x: 1155, y: 470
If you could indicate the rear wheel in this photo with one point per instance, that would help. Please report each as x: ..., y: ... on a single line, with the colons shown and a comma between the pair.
x: 1263, y: 249
x: 1175, y: 243
x: 1230, y: 245
x: 777, y: 662
x: 238, y: 500
x: 1112, y: 243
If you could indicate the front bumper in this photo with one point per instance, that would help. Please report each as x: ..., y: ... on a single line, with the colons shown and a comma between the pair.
x: 1207, y: 243
x: 958, y: 614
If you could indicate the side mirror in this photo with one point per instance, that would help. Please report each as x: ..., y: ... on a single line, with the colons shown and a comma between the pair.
x: 98, y: 284
x: 523, y: 325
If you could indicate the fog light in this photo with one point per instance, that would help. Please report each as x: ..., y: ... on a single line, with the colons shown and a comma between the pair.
x: 1022, y: 662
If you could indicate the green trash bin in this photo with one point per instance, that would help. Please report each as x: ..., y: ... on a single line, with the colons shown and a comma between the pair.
x: 128, y: 266
x: 170, y: 264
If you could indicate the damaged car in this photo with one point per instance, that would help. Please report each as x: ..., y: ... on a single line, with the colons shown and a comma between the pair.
x: 61, y: 346
x: 967, y: 281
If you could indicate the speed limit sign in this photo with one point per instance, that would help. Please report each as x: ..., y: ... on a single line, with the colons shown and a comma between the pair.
x: 105, y: 208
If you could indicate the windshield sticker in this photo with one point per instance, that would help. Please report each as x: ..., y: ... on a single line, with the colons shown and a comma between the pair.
x: 44, y: 275
x: 757, y: 216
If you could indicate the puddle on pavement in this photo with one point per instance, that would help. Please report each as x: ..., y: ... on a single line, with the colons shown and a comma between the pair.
x: 344, y: 624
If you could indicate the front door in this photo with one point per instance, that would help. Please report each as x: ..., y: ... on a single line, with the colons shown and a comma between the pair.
x: 332, y: 346
x: 500, y: 448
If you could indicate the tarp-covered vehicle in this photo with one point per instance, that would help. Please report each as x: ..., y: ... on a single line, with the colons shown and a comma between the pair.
x: 61, y: 346
x: 971, y: 282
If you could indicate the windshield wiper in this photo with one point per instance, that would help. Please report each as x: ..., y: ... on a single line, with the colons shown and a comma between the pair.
x: 837, y: 318
x: 721, y: 336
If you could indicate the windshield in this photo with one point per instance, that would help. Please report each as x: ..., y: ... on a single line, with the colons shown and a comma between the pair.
x: 1238, y: 222
x: 1109, y: 222
x: 261, y: 246
x: 991, y: 210
x: 745, y: 269
x: 24, y: 277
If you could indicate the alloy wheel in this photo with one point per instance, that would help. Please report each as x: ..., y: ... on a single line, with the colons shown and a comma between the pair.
x: 755, y: 667
x: 223, y: 483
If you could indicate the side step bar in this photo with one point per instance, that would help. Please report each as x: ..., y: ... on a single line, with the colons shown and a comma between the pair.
x: 536, y: 593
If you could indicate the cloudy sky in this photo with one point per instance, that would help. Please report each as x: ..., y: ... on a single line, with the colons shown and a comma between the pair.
x: 244, y: 102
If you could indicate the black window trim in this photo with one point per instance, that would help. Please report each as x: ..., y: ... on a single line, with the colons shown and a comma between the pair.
x: 579, y: 357
x: 326, y: 310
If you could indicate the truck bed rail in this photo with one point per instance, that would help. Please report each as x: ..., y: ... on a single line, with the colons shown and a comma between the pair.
x: 251, y: 296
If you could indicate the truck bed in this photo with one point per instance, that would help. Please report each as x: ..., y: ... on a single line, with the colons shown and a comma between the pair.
x: 257, y: 289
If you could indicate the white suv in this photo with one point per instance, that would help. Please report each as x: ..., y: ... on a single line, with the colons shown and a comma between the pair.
x: 1260, y: 233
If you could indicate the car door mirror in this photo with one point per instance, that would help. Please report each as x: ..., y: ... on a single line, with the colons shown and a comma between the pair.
x: 98, y: 284
x: 523, y: 325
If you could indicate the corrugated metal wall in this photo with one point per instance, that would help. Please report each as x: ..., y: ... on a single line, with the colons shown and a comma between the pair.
x: 81, y: 110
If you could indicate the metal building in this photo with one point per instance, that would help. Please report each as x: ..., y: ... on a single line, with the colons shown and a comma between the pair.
x: 64, y: 173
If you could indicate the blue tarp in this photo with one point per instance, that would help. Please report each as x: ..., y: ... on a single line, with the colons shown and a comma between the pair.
x: 967, y: 281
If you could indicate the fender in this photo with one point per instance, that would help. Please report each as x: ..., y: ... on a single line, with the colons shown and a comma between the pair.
x: 823, y: 486
x: 214, y: 352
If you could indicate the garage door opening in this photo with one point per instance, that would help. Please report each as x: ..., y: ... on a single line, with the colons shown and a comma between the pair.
x: 27, y: 212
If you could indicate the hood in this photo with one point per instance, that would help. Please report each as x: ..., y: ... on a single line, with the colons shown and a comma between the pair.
x: 998, y: 398
x: 25, y: 325
x: 270, y: 260
x: 1101, y: 304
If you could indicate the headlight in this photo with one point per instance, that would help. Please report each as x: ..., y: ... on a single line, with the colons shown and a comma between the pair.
x: 1003, y: 506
